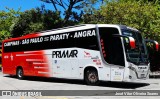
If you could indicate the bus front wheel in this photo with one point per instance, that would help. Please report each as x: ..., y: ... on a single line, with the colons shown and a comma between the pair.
x: 20, y: 74
x: 91, y: 77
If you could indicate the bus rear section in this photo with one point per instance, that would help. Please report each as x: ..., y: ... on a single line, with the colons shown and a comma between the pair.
x: 93, y: 52
x: 21, y: 59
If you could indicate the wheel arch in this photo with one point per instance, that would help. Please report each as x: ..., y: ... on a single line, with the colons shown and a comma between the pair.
x: 19, y: 72
x: 90, y: 67
x: 18, y: 67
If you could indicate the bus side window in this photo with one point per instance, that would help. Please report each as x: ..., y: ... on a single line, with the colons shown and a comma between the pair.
x: 112, y: 46
x: 89, y: 43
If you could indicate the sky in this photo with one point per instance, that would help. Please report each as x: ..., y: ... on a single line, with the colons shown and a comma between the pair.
x: 23, y: 4
x: 27, y: 5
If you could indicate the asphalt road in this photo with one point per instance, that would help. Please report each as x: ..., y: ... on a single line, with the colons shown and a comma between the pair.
x: 38, y: 83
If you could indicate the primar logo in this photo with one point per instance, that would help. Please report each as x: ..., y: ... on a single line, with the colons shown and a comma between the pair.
x: 65, y: 54
x: 142, y: 67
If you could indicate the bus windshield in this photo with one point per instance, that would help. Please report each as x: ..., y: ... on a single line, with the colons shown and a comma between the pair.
x: 138, y: 55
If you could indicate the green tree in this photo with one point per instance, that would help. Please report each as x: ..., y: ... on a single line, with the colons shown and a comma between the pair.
x: 35, y: 20
x: 145, y: 1
x: 6, y: 20
x: 143, y: 16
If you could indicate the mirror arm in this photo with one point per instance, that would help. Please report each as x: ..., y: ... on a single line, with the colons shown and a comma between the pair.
x: 154, y: 42
x: 117, y: 35
x: 131, y: 39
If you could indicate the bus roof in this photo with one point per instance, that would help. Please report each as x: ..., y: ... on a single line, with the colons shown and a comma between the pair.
x: 69, y: 28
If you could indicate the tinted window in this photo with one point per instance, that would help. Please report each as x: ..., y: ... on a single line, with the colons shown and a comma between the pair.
x: 86, y: 39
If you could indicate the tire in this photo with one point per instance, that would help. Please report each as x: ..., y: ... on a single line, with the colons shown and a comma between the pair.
x: 20, y: 74
x: 91, y: 77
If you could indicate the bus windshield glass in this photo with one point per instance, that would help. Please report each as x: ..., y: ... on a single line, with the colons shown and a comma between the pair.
x: 138, y: 55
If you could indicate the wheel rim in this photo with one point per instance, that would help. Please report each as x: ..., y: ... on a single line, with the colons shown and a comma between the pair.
x: 20, y: 73
x: 92, y: 77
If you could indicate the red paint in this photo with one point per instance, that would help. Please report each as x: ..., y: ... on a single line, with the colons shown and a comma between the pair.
x: 157, y: 45
x: 94, y: 60
x: 34, y: 63
x: 86, y: 53
x: 132, y: 42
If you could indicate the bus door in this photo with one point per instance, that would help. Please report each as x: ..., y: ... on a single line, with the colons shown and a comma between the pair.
x: 117, y: 73
x: 112, y: 51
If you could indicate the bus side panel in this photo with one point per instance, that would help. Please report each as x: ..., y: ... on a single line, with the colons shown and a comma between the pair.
x: 104, y: 72
x: 34, y: 63
x: 7, y: 63
x: 18, y: 61
x: 73, y: 67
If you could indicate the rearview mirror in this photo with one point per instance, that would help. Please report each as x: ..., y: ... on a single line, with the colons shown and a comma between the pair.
x: 132, y: 42
x: 128, y: 39
x: 155, y: 43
